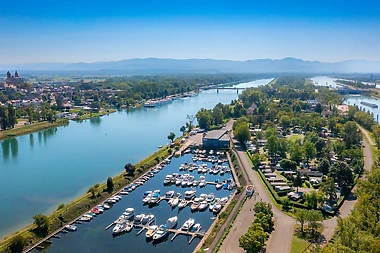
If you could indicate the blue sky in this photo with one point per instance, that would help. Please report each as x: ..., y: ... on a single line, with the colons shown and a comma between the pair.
x: 72, y: 31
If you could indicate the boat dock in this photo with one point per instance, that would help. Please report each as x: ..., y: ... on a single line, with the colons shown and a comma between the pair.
x: 176, y: 232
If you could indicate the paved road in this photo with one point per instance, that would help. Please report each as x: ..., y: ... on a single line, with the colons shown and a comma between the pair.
x: 348, y: 205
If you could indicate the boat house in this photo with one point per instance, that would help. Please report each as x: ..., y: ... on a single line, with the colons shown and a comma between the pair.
x: 216, y: 139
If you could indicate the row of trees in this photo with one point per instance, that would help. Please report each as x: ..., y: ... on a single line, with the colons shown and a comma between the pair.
x: 7, y: 117
x: 254, y: 239
x: 209, y: 118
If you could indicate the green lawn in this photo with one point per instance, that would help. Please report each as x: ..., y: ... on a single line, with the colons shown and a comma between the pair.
x: 295, y: 137
x: 298, y: 245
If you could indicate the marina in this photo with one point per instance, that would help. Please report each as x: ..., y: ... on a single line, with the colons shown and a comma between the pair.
x: 128, y: 212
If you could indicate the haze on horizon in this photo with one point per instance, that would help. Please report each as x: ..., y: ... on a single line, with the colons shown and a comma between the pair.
x: 91, y: 31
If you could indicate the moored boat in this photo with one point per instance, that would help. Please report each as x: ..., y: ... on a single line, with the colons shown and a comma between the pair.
x: 188, y: 224
x: 70, y: 228
x: 161, y: 233
x: 151, y: 230
x: 172, y: 222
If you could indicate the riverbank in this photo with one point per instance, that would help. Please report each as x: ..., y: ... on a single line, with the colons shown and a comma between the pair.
x: 90, y: 115
x: 81, y: 205
x: 34, y: 127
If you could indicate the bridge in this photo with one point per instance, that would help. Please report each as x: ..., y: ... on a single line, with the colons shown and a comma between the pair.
x: 217, y: 88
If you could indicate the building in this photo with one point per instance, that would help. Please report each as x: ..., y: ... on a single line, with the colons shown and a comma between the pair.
x: 16, y: 79
x: 216, y: 139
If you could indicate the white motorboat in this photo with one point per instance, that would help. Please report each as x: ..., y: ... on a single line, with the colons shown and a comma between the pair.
x: 216, y: 208
x: 161, y: 233
x: 219, y: 185
x: 138, y: 219
x: 194, y: 206
x: 195, y: 183
x: 196, y: 227
x: 188, y: 224
x: 189, y: 194
x: 70, y: 228
x: 85, y: 218
x: 151, y: 231
x: 106, y: 206
x: 202, y: 183
x: 119, y: 228
x: 178, y: 181
x: 184, y: 182
x: 172, y: 222
x: 203, y: 196
x: 129, y: 213
x: 210, y: 197
x: 203, y: 206
x: 168, y: 179
x: 169, y: 194
x: 174, y: 202
x: 147, y: 219
x: 147, y: 198
x: 223, y: 200
x: 128, y: 227
x: 182, y: 204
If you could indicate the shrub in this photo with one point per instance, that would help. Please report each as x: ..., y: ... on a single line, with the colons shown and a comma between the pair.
x: 60, y: 206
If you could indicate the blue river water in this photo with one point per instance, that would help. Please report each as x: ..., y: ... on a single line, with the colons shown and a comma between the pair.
x: 41, y: 170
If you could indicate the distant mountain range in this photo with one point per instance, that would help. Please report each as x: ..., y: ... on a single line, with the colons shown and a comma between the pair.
x: 161, y: 65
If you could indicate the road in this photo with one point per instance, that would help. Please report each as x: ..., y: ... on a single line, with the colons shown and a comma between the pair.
x: 349, y: 203
x: 280, y: 239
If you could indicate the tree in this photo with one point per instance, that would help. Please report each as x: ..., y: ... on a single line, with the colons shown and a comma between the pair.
x: 272, y: 145
x: 253, y: 240
x: 329, y: 189
x: 130, y: 169
x: 286, y: 205
x: 189, y: 124
x: 296, y: 152
x: 309, y: 150
x: 17, y: 244
x: 42, y: 222
x: 350, y: 133
x: 204, y: 118
x: 262, y: 207
x: 183, y: 129
x: 298, y: 181
x: 217, y: 115
x: 285, y: 121
x: 110, y: 185
x: 11, y: 116
x: 339, y: 146
x: 318, y: 108
x: 342, y: 174
x: 92, y: 190
x: 288, y: 164
x: 242, y: 133
x: 301, y: 217
x: 257, y: 158
x: 324, y: 166
x: 319, y: 146
x: 171, y: 136
x: 314, y: 218
x: 314, y: 199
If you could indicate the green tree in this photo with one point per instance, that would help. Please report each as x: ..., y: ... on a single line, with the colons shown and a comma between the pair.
x: 265, y: 208
x: 288, y: 164
x: 318, y: 108
x: 253, y: 240
x: 309, y: 150
x: 183, y: 129
x: 296, y: 152
x: 217, y: 115
x: 314, y: 218
x: 342, y: 174
x: 92, y: 190
x: 298, y: 181
x: 324, y: 166
x: 42, y: 222
x: 329, y: 189
x: 130, y: 169
x: 171, y: 136
x: 301, y: 217
x: 285, y: 121
x: 257, y: 158
x: 11, y: 116
x: 17, y: 244
x: 242, y: 133
x: 204, y: 118
x: 272, y: 145
x: 110, y: 185
x: 314, y: 199
x: 351, y: 134
x: 339, y: 147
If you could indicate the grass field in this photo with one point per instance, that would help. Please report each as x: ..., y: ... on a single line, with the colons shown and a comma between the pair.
x: 295, y: 137
x: 298, y: 245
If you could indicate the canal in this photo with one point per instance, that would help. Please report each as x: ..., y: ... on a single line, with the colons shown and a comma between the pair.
x: 41, y: 170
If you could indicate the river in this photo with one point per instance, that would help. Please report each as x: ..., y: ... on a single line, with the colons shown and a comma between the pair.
x: 350, y: 100
x: 41, y: 170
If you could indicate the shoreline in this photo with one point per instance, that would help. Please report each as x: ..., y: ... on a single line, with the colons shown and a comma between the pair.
x: 32, y: 128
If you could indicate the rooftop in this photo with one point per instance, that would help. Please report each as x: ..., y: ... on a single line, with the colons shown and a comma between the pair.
x: 215, y: 134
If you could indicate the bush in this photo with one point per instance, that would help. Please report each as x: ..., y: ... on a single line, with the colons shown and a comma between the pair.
x: 60, y: 206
